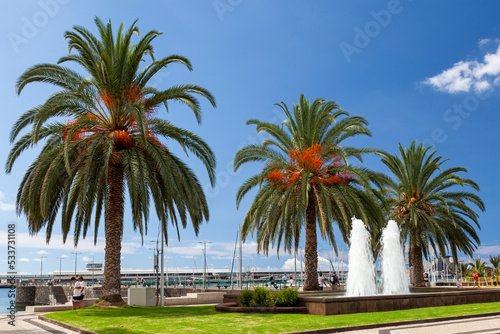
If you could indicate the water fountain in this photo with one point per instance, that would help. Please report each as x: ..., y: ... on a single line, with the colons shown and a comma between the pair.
x: 361, y: 276
x: 393, y: 262
x: 361, y: 293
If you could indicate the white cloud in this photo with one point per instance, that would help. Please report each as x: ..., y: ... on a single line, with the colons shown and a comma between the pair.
x: 488, y: 250
x: 38, y: 241
x: 42, y: 252
x: 218, y: 250
x: 483, y: 41
x: 5, y: 206
x: 467, y: 76
x: 323, y: 264
x: 24, y: 259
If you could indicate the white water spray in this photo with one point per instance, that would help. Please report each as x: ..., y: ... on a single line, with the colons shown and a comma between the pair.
x: 393, y: 262
x: 361, y: 277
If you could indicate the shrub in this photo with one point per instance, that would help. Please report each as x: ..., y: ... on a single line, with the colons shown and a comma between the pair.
x: 287, y: 297
x: 245, y: 297
x: 262, y: 298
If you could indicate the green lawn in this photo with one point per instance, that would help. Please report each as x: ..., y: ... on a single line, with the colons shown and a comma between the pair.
x: 203, y: 319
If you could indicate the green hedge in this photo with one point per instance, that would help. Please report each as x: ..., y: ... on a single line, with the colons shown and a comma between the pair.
x: 261, y: 297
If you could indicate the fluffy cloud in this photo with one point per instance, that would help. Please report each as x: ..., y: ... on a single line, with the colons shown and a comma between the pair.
x: 38, y: 242
x: 5, y: 206
x: 467, y: 76
x: 323, y: 264
x: 488, y: 250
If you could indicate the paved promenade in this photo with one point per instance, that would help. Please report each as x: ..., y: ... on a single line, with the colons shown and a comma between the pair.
x: 483, y: 325
x: 28, y: 323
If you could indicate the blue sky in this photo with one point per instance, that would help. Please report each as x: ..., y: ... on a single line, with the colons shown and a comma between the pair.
x: 417, y: 70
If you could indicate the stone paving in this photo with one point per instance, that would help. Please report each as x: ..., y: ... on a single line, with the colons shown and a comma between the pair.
x: 483, y: 325
x: 28, y: 323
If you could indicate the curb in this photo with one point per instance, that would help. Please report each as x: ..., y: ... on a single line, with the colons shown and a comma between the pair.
x: 393, y: 324
x: 62, y: 324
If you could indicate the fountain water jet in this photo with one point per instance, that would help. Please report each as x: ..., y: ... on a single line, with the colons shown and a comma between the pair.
x: 393, y: 262
x: 361, y: 277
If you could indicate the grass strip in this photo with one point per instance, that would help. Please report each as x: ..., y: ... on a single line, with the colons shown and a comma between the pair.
x: 204, y: 319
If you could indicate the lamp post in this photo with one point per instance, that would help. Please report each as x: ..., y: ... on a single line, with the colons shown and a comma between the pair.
x: 41, y: 267
x: 76, y: 254
x: 60, y: 265
x: 159, y: 282
x: 204, y: 262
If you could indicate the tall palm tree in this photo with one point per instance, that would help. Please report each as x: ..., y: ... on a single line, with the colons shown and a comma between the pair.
x: 495, y: 263
x: 431, y: 211
x: 307, y: 181
x: 109, y: 144
x: 478, y: 265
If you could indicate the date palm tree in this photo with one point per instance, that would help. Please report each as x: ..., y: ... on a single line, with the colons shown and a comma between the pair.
x: 102, y: 138
x: 307, y: 181
x: 495, y: 263
x: 478, y: 265
x: 430, y: 210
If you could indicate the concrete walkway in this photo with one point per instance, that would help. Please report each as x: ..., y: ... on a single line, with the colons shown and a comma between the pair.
x: 28, y: 323
x: 483, y: 325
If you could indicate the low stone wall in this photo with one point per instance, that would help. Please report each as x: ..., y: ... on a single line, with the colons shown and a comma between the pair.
x: 179, y: 292
x: 233, y: 308
x: 43, y: 295
x: 147, y: 297
x: 65, y: 307
x: 25, y: 295
x: 346, y: 305
x: 196, y: 298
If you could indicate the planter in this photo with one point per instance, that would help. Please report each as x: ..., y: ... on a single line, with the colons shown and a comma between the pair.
x: 234, y: 308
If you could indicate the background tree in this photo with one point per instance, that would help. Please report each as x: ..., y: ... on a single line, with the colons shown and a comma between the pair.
x: 307, y: 181
x: 109, y: 144
x: 479, y: 266
x: 465, y: 269
x: 495, y: 263
x: 430, y: 210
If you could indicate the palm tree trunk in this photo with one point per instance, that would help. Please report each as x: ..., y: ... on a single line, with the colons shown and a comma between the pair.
x: 418, y: 266
x: 111, y: 288
x: 311, y: 247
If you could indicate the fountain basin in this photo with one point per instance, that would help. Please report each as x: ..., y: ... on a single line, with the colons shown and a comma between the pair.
x: 380, y: 303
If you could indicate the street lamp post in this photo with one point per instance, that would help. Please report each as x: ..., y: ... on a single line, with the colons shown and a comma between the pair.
x: 204, y: 262
x: 76, y: 254
x: 159, y: 282
x: 162, y: 279
x: 41, y: 267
